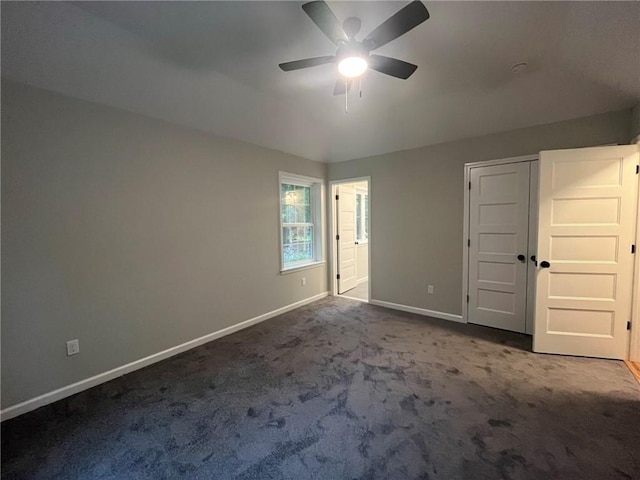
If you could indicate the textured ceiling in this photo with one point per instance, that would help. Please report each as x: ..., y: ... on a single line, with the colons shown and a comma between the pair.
x: 213, y: 66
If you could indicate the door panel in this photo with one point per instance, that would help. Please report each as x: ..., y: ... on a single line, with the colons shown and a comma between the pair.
x: 533, y: 245
x: 347, y: 238
x: 498, y: 229
x: 586, y: 225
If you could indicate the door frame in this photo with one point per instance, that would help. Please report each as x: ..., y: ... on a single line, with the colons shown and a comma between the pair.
x: 634, y: 335
x: 465, y: 224
x: 333, y: 249
x: 634, y: 342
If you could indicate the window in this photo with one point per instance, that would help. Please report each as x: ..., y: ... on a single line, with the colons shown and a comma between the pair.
x: 362, y: 217
x: 301, y: 221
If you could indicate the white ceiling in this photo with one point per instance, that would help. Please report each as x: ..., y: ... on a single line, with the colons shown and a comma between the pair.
x: 214, y: 66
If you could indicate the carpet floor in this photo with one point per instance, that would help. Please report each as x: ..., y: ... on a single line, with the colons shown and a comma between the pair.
x: 341, y: 389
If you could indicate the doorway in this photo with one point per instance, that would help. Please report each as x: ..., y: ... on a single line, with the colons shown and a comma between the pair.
x: 350, y: 238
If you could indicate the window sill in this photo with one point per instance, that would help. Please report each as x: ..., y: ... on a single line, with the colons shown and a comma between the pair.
x: 306, y: 266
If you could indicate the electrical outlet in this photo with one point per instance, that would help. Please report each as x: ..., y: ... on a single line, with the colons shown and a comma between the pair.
x: 303, y: 282
x: 430, y: 289
x: 73, y: 347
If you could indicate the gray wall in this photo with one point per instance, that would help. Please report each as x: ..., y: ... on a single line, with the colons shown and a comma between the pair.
x: 416, y: 200
x: 131, y: 234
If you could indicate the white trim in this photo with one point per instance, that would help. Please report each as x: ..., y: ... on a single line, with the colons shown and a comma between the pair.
x: 465, y: 245
x: 305, y: 266
x: 465, y: 225
x: 419, y: 311
x: 60, y: 393
x: 502, y: 161
x: 317, y: 218
x: 362, y: 280
x: 333, y: 267
x: 634, y: 337
x: 295, y: 179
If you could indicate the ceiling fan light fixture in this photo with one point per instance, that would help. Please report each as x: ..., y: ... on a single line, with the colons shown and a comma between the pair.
x: 352, y: 67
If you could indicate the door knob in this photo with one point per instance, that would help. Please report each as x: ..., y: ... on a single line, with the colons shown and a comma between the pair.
x: 545, y: 264
x: 533, y: 259
x: 521, y: 258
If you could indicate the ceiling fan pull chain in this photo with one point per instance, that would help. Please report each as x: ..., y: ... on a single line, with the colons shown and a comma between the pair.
x: 346, y: 98
x: 360, y: 86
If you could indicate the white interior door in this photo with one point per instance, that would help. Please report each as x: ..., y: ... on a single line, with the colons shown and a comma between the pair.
x: 346, y: 210
x: 587, y: 221
x: 498, y: 249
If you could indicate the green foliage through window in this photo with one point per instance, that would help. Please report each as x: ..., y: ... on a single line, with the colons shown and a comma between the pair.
x: 297, y: 223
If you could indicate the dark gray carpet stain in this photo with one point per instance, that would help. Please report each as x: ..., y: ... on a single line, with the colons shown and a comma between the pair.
x: 343, y: 390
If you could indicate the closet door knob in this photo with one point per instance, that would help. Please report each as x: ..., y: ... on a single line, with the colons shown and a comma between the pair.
x: 522, y: 258
x: 545, y: 264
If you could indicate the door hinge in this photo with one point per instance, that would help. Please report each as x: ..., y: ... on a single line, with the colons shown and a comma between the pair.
x: 633, y: 248
x: 628, y: 325
x: 338, y: 276
x: 337, y: 197
x: 467, y: 298
x: 337, y: 237
x: 468, y: 242
x: 469, y: 185
x: 637, y: 169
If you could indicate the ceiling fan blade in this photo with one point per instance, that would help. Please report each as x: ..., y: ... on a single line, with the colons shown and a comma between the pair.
x: 404, y: 20
x: 324, y: 18
x: 342, y: 86
x: 391, y: 66
x: 306, y: 63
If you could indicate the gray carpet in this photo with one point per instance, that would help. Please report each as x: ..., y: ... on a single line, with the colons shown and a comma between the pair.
x: 343, y: 390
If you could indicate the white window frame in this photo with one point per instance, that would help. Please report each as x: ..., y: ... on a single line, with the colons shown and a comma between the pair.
x: 363, y: 221
x: 317, y: 219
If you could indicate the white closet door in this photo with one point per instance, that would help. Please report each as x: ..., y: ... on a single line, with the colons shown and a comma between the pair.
x: 586, y: 229
x: 533, y: 244
x: 347, y: 238
x: 498, y: 228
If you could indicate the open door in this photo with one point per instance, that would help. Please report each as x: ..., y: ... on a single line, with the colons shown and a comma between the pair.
x: 586, y: 227
x: 346, y: 211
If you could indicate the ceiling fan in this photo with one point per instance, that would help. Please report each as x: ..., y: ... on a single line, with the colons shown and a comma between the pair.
x: 352, y: 56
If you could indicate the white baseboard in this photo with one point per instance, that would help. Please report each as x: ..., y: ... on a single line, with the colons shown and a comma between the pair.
x: 362, y: 280
x: 60, y: 393
x: 419, y: 311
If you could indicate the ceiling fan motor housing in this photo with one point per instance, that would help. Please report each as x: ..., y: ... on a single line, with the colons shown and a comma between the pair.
x: 351, y: 26
x: 352, y: 49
